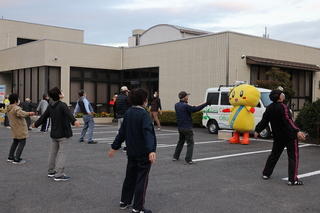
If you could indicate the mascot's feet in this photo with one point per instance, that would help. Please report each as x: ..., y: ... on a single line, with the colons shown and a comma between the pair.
x: 235, y: 138
x: 245, y: 140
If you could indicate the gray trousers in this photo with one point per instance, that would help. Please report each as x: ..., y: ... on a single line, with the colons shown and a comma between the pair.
x: 185, y: 135
x: 58, y: 155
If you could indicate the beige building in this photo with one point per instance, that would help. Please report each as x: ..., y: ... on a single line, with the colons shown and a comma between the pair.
x: 164, y: 58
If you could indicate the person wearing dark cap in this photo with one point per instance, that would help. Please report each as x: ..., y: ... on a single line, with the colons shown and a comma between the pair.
x: 285, y: 134
x: 184, y: 120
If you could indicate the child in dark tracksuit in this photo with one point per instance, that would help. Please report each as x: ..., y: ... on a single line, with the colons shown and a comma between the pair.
x: 138, y: 132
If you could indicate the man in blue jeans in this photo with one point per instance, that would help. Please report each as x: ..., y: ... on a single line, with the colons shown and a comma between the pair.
x: 84, y: 105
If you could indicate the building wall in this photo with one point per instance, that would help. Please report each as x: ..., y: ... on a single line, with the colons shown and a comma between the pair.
x: 11, y: 30
x: 192, y: 65
x: 196, y: 64
x: 44, y: 53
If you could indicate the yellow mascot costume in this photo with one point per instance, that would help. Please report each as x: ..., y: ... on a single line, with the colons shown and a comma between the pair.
x: 243, y: 98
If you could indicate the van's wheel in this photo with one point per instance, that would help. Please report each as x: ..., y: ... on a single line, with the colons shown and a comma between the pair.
x: 213, y: 127
x: 266, y: 133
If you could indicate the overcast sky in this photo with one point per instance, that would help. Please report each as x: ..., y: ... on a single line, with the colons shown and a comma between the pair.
x: 110, y: 22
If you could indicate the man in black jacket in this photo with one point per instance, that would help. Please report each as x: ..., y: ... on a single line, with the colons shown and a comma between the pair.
x: 285, y: 134
x: 61, y: 132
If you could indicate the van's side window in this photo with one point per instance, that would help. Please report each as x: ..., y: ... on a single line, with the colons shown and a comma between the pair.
x: 225, y: 98
x: 214, y: 97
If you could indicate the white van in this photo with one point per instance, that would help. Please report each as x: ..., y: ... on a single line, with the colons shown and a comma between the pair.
x: 213, y: 117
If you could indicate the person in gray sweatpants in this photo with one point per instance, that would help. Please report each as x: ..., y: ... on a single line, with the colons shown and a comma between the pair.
x: 61, y: 132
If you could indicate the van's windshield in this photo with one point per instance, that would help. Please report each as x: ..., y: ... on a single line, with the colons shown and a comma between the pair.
x: 265, y: 98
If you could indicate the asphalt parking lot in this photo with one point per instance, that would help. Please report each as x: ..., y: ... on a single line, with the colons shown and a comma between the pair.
x: 226, y: 177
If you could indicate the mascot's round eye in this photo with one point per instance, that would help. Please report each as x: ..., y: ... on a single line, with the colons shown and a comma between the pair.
x: 233, y: 94
x: 241, y: 93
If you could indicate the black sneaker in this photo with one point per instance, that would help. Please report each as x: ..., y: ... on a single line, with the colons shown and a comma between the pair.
x: 293, y: 183
x: 81, y: 140
x: 175, y: 159
x: 92, y: 142
x: 141, y: 211
x: 19, y: 161
x: 124, y: 149
x: 62, y: 178
x: 10, y: 159
x: 124, y: 205
x: 51, y: 174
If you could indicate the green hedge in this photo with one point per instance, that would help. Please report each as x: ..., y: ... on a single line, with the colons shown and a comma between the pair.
x: 308, y: 117
x: 168, y: 118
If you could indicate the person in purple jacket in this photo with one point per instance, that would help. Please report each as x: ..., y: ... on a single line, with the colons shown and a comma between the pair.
x: 285, y: 134
x: 138, y: 133
x: 184, y: 119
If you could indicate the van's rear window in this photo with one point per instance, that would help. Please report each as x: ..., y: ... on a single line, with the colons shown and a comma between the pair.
x: 214, y: 97
x: 225, y: 98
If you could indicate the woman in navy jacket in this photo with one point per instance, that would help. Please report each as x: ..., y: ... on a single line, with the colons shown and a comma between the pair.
x: 138, y: 132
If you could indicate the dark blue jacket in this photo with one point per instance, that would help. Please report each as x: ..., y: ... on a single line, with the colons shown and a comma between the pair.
x: 138, y: 133
x: 183, y: 113
x: 121, y: 105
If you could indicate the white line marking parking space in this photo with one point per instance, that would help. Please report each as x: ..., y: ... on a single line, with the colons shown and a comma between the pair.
x: 239, y: 154
x: 305, y: 175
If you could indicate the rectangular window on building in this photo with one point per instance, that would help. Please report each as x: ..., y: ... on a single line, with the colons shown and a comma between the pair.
x: 75, y: 86
x: 34, y: 82
x: 54, y: 79
x: 75, y: 73
x: 27, y: 80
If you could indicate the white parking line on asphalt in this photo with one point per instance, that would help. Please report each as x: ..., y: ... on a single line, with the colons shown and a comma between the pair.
x: 105, y: 132
x: 240, y: 154
x: 170, y: 145
x: 306, y: 175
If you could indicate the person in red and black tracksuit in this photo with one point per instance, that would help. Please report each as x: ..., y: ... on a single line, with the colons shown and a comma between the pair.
x: 285, y: 134
x: 138, y: 132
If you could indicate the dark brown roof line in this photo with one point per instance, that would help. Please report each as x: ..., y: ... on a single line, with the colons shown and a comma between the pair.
x: 281, y: 63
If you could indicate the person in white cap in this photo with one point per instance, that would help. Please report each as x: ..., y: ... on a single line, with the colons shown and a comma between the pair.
x: 121, y: 105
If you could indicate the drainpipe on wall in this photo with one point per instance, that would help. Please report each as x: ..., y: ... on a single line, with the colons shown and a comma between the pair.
x: 8, y: 40
x: 227, y: 60
x: 121, y: 62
